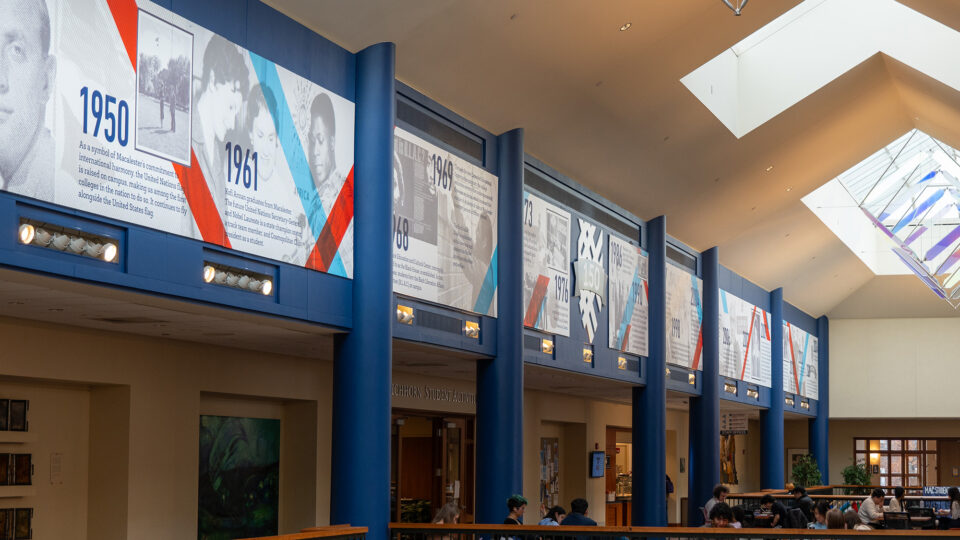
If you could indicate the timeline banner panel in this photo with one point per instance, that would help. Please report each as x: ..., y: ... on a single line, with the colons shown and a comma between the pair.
x: 684, y: 318
x: 628, y: 297
x: 745, y: 352
x: 546, y: 266
x: 801, y: 362
x: 133, y: 112
x: 444, y: 227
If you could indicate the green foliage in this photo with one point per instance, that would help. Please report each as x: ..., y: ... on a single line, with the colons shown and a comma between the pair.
x: 805, y: 472
x: 415, y: 510
x: 856, y: 475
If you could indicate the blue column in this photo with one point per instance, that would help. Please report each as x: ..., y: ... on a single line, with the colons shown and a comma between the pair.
x: 771, y: 420
x: 650, y: 401
x: 704, y: 465
x: 500, y: 381
x: 360, y: 478
x: 819, y: 427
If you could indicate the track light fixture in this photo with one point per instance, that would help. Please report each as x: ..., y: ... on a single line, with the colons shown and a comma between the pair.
x: 237, y: 278
x: 736, y: 5
x: 69, y: 240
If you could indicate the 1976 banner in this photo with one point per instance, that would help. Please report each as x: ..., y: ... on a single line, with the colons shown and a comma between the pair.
x: 546, y: 266
x: 132, y: 112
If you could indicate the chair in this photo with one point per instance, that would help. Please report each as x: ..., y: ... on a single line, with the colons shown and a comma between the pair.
x: 896, y: 520
x: 922, y: 517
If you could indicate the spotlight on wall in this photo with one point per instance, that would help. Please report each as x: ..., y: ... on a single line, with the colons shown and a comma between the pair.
x: 237, y: 278
x: 405, y: 314
x: 692, y: 378
x: 69, y: 240
x: 471, y: 329
x: 587, y: 355
x: 730, y: 388
x: 667, y: 371
x: 753, y: 393
x: 546, y: 346
x: 789, y: 400
x: 805, y: 404
x: 621, y: 363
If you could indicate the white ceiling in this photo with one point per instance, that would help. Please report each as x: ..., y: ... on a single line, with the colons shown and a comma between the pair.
x: 607, y: 109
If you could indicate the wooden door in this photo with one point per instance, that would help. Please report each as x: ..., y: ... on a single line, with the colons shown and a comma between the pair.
x: 949, y: 462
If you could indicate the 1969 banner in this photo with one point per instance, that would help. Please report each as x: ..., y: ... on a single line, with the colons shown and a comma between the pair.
x: 800, y: 362
x: 684, y: 318
x: 744, y: 340
x: 132, y: 112
x: 628, y: 297
x: 546, y: 266
x: 444, y: 227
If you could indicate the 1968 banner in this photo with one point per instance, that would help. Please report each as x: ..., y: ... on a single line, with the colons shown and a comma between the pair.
x: 801, y: 362
x: 132, y: 112
x: 629, y: 297
x: 684, y: 318
x: 444, y: 227
x: 546, y: 266
x: 744, y: 340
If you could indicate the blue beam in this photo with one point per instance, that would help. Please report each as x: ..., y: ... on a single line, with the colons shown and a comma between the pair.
x: 650, y: 401
x: 500, y: 380
x: 771, y: 420
x: 819, y: 429
x: 704, y: 460
x: 360, y: 478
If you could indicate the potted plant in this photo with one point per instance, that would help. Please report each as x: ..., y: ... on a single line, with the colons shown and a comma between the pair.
x: 856, y: 474
x: 806, y: 472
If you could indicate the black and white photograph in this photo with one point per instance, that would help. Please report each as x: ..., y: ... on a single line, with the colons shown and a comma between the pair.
x: 164, y: 96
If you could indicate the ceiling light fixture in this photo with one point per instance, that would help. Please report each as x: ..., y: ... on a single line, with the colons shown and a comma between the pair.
x: 736, y: 6
x: 789, y: 189
x: 626, y: 26
x: 69, y: 240
x: 769, y: 168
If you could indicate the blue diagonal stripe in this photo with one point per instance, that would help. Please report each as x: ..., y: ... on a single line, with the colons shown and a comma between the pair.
x: 803, y: 358
x: 723, y: 298
x: 696, y: 291
x: 631, y: 304
x: 293, y: 151
x: 485, y: 298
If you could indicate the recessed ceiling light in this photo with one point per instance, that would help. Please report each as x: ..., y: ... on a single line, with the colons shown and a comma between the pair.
x: 789, y: 189
x: 769, y: 168
x: 626, y: 26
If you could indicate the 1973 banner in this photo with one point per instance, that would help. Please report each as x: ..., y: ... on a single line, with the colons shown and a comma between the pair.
x: 801, y: 362
x: 684, y: 318
x: 546, y: 266
x: 744, y: 340
x: 132, y: 112
x: 628, y: 297
x: 444, y: 227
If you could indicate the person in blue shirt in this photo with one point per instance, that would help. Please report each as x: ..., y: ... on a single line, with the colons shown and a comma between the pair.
x: 578, y: 514
x: 820, y: 515
x: 554, y: 516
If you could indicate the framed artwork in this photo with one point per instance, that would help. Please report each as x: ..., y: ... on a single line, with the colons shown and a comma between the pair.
x: 597, y: 462
x: 22, y: 469
x: 18, y: 415
x: 6, y: 523
x: 23, y: 524
x: 4, y: 414
x: 5, y: 469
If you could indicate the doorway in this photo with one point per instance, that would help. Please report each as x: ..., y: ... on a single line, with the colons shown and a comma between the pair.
x: 432, y: 463
x: 949, y: 473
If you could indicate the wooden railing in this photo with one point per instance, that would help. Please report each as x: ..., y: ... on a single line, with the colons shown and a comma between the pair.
x: 333, y: 532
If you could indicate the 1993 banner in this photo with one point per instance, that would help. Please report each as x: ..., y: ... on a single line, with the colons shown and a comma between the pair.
x: 132, y: 112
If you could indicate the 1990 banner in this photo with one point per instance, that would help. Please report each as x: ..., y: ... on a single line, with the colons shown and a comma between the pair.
x: 684, y: 318
x: 629, y: 297
x: 132, y: 112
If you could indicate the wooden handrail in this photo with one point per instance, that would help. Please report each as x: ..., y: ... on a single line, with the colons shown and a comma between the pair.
x: 331, y: 531
x: 597, y: 532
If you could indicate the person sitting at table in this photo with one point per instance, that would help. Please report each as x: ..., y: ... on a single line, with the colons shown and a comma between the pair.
x: 898, y: 502
x: 852, y: 521
x: 578, y: 514
x: 953, y: 519
x: 554, y: 516
x: 720, y: 516
x: 835, y: 519
x: 776, y: 508
x: 803, y: 501
x: 738, y: 516
x: 820, y: 511
x: 720, y: 492
x: 871, y: 509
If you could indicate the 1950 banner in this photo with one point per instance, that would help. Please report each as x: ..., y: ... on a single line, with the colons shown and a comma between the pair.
x: 684, y: 318
x: 801, y: 362
x: 628, y: 297
x: 132, y: 112
x: 546, y: 266
x: 744, y: 340
x: 444, y: 227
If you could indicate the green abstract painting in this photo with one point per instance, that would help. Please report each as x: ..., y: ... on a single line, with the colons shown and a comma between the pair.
x: 239, y: 477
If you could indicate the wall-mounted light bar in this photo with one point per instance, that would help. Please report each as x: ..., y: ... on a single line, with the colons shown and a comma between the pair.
x: 471, y: 329
x: 68, y: 240
x: 405, y: 314
x: 546, y: 346
x: 805, y: 404
x: 621, y: 363
x: 587, y: 355
x: 753, y: 393
x: 236, y: 278
x: 668, y: 372
x: 789, y: 400
x: 692, y: 378
x: 730, y: 388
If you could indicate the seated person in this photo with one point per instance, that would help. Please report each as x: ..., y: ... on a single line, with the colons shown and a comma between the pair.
x: 820, y: 511
x: 720, y: 516
x: 516, y: 505
x: 898, y: 503
x: 803, y: 501
x: 720, y: 492
x: 852, y: 521
x: 771, y: 506
x: 835, y: 519
x: 871, y: 509
x: 554, y: 516
x: 951, y: 520
x: 578, y: 514
x: 738, y: 515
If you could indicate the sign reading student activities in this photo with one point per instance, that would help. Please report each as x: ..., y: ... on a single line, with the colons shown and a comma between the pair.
x: 744, y: 341
x: 684, y: 318
x: 800, y: 362
x: 444, y: 227
x: 546, y: 266
x: 129, y: 111
x: 628, y: 297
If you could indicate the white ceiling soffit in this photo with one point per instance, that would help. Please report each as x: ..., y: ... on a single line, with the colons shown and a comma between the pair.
x: 808, y: 47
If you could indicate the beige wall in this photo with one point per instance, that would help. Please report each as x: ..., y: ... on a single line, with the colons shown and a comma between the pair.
x: 164, y: 386
x: 678, y: 437
x: 894, y: 368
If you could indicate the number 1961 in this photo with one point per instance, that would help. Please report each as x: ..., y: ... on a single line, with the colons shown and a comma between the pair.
x: 239, y: 161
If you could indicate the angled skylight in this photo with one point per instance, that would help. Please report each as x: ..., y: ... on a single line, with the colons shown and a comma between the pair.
x: 899, y: 211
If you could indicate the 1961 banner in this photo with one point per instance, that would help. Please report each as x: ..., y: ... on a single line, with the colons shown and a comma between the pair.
x: 744, y: 340
x: 801, y: 362
x: 546, y: 266
x: 444, y: 227
x: 132, y: 112
x: 628, y: 297
x: 684, y: 318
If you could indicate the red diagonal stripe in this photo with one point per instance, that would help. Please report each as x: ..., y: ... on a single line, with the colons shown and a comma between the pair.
x: 125, y: 16
x: 325, y: 250
x: 201, y: 203
x: 626, y: 338
x: 696, y: 353
x: 746, y: 353
x: 536, y: 300
x: 793, y: 358
x: 766, y: 327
